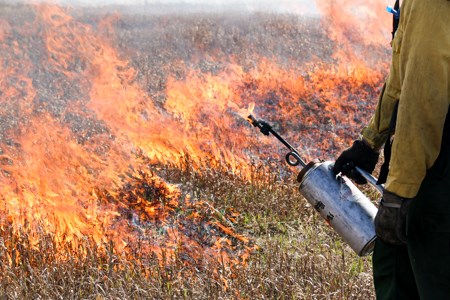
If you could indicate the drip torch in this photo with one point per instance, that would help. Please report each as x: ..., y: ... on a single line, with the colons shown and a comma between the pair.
x: 345, y: 208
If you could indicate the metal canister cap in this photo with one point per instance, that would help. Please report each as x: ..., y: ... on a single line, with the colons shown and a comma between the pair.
x: 306, y: 169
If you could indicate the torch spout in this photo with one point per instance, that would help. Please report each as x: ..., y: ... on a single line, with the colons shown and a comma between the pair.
x: 293, y: 157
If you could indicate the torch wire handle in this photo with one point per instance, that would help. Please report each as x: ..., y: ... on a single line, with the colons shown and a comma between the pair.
x: 293, y: 158
x: 371, y: 180
x: 293, y: 154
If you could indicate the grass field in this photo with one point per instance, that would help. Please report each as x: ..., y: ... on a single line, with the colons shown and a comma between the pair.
x: 299, y: 256
x: 276, y: 245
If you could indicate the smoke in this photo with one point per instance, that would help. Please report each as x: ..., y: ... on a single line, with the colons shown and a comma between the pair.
x: 301, y: 7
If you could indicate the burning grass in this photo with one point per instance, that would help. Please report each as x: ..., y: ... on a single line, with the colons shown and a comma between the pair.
x: 298, y: 257
x: 127, y: 171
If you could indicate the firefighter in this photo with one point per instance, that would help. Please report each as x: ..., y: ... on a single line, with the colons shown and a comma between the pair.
x: 411, y: 259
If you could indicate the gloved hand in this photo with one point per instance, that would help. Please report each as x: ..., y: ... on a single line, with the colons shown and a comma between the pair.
x: 360, y: 155
x: 390, y: 221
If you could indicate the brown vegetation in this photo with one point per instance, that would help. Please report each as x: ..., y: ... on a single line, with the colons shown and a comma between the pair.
x: 297, y: 255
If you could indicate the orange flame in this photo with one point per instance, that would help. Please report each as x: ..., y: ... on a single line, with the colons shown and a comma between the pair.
x: 79, y: 132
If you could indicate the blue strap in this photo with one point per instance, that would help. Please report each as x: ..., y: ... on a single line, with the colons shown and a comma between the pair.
x: 395, y: 11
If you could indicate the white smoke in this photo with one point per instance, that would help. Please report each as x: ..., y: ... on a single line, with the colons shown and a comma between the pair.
x: 304, y: 7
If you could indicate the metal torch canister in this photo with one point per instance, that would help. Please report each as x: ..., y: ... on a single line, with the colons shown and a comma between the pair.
x: 349, y: 212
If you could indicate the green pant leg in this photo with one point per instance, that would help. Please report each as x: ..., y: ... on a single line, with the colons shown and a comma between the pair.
x: 392, y: 273
x: 429, y: 237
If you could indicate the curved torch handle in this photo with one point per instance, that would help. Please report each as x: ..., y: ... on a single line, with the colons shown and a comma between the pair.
x: 371, y: 180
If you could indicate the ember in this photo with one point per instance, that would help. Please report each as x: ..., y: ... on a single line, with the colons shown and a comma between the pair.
x: 91, y: 115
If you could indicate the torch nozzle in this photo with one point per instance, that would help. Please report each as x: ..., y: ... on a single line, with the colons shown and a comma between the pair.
x: 252, y: 120
x: 263, y: 126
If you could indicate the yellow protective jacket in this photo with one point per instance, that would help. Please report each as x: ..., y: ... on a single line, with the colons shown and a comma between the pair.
x: 419, y: 80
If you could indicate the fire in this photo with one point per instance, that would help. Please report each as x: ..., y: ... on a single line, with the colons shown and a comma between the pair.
x: 80, y: 135
x: 78, y: 165
x: 370, y: 20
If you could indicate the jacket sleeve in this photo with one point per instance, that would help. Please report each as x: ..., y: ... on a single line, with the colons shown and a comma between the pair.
x: 421, y: 68
x: 377, y: 131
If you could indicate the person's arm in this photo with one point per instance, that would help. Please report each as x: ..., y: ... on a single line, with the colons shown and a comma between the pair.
x: 376, y: 133
x: 424, y: 70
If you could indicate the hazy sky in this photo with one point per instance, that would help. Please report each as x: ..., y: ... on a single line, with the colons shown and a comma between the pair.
x: 292, y: 6
x: 219, y: 2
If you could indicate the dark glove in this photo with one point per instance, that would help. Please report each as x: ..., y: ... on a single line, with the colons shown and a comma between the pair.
x: 359, y: 155
x: 390, y: 221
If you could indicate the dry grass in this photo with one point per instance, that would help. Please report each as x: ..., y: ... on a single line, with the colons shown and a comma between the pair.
x: 300, y: 257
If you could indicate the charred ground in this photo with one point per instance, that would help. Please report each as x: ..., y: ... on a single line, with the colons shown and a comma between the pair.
x: 298, y: 256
